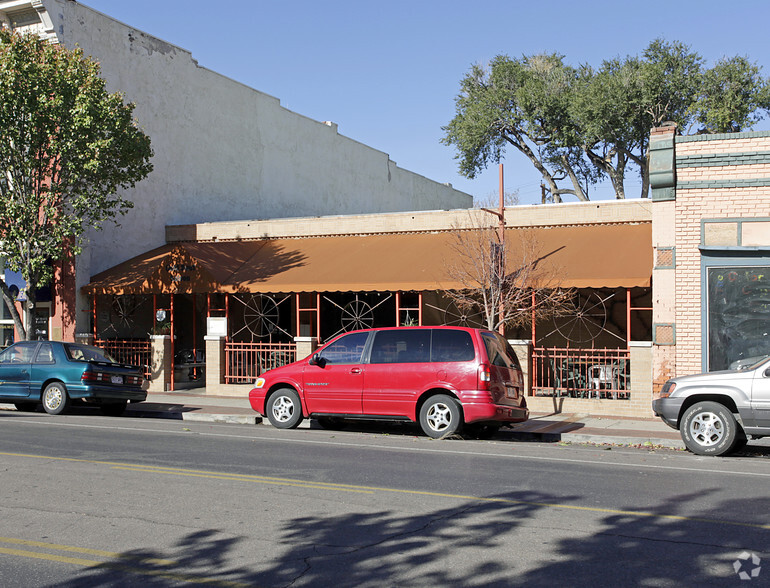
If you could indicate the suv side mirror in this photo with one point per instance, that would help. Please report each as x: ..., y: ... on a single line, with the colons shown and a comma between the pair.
x: 316, y: 359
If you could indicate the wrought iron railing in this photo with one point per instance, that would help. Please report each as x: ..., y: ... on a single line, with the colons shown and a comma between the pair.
x: 581, y: 373
x: 245, y: 361
x: 128, y: 351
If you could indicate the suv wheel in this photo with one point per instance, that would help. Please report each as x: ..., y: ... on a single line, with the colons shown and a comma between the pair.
x: 440, y: 416
x: 709, y: 428
x: 284, y: 410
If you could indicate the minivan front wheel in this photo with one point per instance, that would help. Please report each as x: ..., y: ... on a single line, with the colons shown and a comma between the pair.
x: 440, y: 416
x: 709, y: 428
x: 284, y: 410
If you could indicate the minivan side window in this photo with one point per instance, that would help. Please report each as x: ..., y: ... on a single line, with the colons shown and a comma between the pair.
x: 499, y: 351
x: 401, y: 346
x: 346, y: 349
x: 452, y: 345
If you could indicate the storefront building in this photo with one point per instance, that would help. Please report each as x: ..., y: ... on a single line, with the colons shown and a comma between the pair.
x: 711, y: 234
x: 237, y: 298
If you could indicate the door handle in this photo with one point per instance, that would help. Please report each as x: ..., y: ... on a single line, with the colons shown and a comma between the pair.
x: 355, y: 370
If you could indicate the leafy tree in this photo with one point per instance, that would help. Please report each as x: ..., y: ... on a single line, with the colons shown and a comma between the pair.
x: 66, y: 147
x: 609, y: 123
x: 732, y: 94
x: 522, y: 103
x: 578, y: 126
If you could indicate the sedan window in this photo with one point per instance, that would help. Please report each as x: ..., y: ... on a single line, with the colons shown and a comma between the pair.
x: 79, y: 352
x: 45, y: 354
x: 19, y: 353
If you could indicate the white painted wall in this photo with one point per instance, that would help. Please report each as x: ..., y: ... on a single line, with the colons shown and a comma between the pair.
x: 224, y: 151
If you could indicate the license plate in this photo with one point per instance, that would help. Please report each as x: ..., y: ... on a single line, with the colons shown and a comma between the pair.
x: 116, y: 379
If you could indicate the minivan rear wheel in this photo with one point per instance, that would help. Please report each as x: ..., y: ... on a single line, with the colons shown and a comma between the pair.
x: 709, y: 428
x: 440, y: 416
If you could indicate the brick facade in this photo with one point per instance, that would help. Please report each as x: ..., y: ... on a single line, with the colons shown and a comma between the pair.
x: 720, y: 182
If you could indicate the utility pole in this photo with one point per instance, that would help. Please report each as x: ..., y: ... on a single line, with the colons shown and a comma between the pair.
x: 500, y: 253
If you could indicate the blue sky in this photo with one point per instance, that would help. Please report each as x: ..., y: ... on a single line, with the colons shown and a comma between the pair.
x: 388, y: 72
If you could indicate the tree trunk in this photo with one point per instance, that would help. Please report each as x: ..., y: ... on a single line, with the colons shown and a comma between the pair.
x: 29, y: 319
x: 10, y: 304
x: 556, y: 192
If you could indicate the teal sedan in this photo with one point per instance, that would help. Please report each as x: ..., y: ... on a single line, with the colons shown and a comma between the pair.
x: 58, y: 374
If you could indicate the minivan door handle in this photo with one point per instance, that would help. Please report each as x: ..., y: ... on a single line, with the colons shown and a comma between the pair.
x: 355, y: 370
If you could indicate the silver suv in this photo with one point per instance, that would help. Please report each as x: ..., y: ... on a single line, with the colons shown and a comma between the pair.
x: 717, y: 412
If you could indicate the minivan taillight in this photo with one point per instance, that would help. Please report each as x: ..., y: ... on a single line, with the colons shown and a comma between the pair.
x: 484, y: 376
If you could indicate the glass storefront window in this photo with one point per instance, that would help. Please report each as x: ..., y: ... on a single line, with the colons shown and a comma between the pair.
x: 738, y: 314
x: 6, y: 335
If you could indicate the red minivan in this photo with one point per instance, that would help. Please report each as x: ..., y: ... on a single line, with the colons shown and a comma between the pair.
x: 446, y: 378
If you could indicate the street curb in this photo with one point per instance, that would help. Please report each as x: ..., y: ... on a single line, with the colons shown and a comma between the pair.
x: 619, y: 440
x: 232, y: 419
x: 198, y: 417
x: 239, y: 419
x: 180, y: 412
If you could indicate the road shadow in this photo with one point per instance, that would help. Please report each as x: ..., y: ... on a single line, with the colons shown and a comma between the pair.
x: 467, y: 542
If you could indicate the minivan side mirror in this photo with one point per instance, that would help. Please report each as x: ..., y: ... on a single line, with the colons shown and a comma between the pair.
x: 316, y: 359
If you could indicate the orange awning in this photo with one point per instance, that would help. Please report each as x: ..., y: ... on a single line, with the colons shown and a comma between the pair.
x: 586, y: 256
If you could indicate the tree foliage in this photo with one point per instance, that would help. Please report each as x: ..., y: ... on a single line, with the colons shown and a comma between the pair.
x: 578, y: 126
x: 66, y: 147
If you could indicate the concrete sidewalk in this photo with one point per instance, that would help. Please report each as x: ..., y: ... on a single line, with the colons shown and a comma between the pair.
x: 195, y: 405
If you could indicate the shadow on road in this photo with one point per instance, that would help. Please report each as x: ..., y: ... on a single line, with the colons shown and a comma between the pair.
x: 476, y: 542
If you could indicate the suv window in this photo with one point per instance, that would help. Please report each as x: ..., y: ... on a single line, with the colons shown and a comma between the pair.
x: 451, y: 345
x: 499, y: 351
x: 401, y: 346
x: 346, y: 349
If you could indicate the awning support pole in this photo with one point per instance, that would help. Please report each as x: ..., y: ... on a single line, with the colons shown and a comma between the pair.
x: 93, y: 307
x: 171, y: 310
x: 628, y: 318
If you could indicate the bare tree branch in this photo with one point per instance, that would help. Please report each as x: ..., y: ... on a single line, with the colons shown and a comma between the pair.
x: 507, y: 281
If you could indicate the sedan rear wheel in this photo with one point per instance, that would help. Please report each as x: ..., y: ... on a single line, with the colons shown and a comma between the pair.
x: 440, y: 416
x: 55, y: 398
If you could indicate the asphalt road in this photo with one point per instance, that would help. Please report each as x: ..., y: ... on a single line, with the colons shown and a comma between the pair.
x: 96, y: 501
